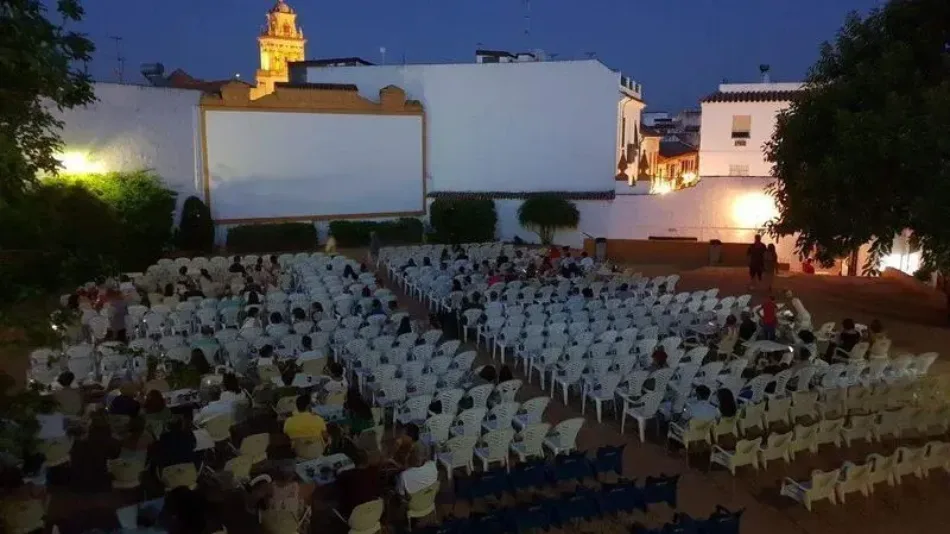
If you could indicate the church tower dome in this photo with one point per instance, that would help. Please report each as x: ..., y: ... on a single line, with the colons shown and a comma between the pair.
x: 281, y: 41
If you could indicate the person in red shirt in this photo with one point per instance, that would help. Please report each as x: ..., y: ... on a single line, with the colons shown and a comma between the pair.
x: 554, y: 253
x: 769, y: 319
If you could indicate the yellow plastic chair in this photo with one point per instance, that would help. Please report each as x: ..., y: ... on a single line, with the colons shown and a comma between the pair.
x: 177, y: 475
x: 308, y: 448
x: 364, y: 519
x: 56, y: 450
x: 126, y: 473
x: 20, y: 516
x: 255, y: 446
x: 422, y: 503
x: 219, y: 427
x: 240, y: 467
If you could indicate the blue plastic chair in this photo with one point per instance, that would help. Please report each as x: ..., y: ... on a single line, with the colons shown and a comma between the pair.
x: 623, y: 496
x: 722, y: 521
x: 581, y: 505
x: 536, y: 516
x: 528, y: 476
x: 683, y: 524
x: 661, y: 489
x: 608, y: 459
x: 573, y: 466
x: 496, y: 522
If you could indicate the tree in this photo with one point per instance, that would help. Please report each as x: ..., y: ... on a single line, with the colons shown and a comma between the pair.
x: 643, y: 172
x: 40, y: 72
x: 863, y: 153
x: 196, y: 229
x: 546, y: 213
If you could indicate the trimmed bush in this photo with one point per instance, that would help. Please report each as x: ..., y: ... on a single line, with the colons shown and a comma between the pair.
x: 196, y: 229
x: 145, y: 209
x: 545, y: 214
x: 463, y: 220
x: 282, y: 237
x: 356, y: 233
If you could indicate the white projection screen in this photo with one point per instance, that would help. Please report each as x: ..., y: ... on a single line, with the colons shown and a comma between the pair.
x: 285, y: 165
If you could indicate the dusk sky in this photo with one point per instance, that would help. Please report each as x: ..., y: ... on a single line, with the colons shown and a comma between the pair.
x: 678, y: 49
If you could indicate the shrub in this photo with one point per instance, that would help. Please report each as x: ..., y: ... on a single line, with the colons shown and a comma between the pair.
x: 356, y: 233
x: 280, y: 237
x: 463, y: 220
x: 924, y: 273
x: 145, y: 209
x: 196, y: 229
x: 547, y: 213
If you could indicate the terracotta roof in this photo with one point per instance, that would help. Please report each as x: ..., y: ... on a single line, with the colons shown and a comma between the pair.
x: 520, y: 195
x: 675, y: 149
x: 320, y: 86
x: 182, y: 80
x: 751, y: 96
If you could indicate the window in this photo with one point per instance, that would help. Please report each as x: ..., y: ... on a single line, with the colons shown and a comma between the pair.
x: 739, y: 142
x: 738, y: 170
x: 741, y: 126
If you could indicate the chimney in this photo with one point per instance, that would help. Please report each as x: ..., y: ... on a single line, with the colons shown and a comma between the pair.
x: 764, y: 71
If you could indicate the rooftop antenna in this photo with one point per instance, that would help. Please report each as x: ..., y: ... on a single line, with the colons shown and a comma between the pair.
x: 382, y: 53
x: 119, y: 60
x: 527, y: 20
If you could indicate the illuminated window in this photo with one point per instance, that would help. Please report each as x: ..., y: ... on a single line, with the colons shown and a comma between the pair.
x: 741, y: 126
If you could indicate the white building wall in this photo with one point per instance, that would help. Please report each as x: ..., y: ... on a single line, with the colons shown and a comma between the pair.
x: 718, y: 150
x: 539, y: 126
x: 134, y: 127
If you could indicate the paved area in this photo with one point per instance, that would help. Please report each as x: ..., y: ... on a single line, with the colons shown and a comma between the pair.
x: 915, y: 320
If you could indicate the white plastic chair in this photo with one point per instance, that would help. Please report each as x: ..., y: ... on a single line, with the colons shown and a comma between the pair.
x: 776, y: 446
x: 854, y: 478
x: 531, y: 412
x: 457, y: 452
x: 745, y: 453
x: 820, y: 486
x: 641, y: 410
x: 529, y: 442
x: 495, y: 445
x: 563, y: 437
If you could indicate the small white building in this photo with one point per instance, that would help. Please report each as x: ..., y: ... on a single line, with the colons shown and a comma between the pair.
x: 737, y: 121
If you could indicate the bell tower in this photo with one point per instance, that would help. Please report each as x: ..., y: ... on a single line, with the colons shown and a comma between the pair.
x: 280, y: 41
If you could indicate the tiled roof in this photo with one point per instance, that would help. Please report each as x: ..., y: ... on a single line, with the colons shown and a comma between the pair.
x: 521, y: 195
x: 674, y: 149
x: 182, y: 80
x: 319, y: 86
x: 751, y: 96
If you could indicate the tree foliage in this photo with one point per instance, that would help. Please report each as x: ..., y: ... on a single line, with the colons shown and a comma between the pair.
x: 546, y: 214
x: 864, y: 153
x: 196, y: 228
x: 463, y: 220
x: 39, y: 66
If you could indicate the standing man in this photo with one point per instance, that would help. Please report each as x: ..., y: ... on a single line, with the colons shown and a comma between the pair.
x: 756, y: 254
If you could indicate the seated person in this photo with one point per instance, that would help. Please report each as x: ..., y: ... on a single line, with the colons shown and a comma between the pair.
x: 304, y: 423
x: 176, y: 445
x: 420, y: 474
x: 337, y: 382
x: 407, y: 447
x: 700, y: 408
x: 186, y: 511
x: 847, y: 339
x: 658, y: 359
x: 747, y: 327
x: 68, y: 395
x: 125, y: 402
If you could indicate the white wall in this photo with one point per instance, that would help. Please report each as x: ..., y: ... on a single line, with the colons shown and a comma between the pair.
x: 507, y: 126
x: 134, y: 127
x: 273, y: 164
x: 717, y: 148
x: 593, y: 222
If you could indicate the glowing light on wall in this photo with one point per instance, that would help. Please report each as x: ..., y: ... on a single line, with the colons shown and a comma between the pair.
x: 689, y: 177
x: 76, y: 162
x: 661, y: 187
x: 753, y: 210
x: 907, y: 262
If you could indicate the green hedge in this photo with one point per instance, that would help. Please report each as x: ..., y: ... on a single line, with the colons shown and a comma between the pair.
x: 356, y: 233
x: 251, y: 238
x: 463, y: 220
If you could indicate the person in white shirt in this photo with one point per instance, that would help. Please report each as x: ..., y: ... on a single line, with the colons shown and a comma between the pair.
x: 700, y: 408
x: 418, y: 477
x: 337, y: 382
x: 802, y: 317
x: 251, y: 321
x: 586, y: 262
